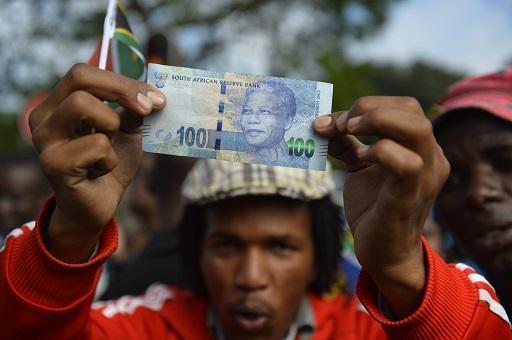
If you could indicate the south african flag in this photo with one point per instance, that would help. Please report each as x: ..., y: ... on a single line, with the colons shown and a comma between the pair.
x: 119, y: 50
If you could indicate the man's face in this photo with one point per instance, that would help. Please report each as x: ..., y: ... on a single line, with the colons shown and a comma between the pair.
x: 257, y: 262
x: 262, y: 124
x: 476, y: 201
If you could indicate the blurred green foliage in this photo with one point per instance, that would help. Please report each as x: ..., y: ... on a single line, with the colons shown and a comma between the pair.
x: 10, y: 139
x: 426, y: 82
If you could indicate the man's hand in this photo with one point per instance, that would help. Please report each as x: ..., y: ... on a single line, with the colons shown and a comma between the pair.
x: 89, y: 152
x: 389, y: 189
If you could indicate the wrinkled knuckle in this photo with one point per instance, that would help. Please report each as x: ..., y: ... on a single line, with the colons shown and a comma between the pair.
x: 79, y: 99
x: 115, y: 122
x: 124, y: 88
x: 125, y: 85
x: 34, y: 119
x: 77, y: 73
x: 412, y: 165
x: 112, y: 161
x: 39, y: 134
x: 361, y: 104
x: 411, y: 104
x: 383, y: 145
x: 101, y: 143
x: 377, y: 119
x: 145, y: 87
x: 38, y: 138
x: 445, y: 167
x: 416, y: 163
x: 424, y: 128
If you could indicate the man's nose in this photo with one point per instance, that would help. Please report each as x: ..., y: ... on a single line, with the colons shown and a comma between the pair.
x: 254, y: 118
x: 252, y: 273
x: 485, y: 187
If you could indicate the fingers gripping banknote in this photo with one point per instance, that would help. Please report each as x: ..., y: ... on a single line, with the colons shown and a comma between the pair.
x: 238, y: 117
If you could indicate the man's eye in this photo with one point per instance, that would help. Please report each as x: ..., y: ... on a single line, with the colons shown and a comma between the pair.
x: 246, y: 112
x: 265, y: 112
x: 281, y: 247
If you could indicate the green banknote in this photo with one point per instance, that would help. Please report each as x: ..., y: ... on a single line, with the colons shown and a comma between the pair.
x: 238, y: 117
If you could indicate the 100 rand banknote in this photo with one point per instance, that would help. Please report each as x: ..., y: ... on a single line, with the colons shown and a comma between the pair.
x: 238, y: 117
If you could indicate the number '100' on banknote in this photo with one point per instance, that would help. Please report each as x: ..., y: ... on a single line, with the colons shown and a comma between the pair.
x: 238, y: 117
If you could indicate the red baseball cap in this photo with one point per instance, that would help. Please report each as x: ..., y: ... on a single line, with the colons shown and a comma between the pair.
x: 490, y: 92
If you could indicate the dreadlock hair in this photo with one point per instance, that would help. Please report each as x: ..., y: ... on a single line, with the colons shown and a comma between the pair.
x: 326, y: 228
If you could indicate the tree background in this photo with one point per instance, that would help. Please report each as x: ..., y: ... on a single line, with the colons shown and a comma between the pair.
x: 40, y: 40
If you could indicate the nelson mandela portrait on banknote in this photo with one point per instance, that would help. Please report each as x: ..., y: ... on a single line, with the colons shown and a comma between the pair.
x: 267, y: 112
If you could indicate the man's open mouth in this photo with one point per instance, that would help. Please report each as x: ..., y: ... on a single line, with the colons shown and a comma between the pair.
x: 251, y: 319
x: 251, y: 322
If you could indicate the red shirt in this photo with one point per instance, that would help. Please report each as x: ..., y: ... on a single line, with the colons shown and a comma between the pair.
x: 44, y: 298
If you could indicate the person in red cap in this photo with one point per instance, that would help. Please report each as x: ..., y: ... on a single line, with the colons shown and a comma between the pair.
x: 474, y: 128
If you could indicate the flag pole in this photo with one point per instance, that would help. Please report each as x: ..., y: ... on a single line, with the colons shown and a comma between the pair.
x: 109, y: 27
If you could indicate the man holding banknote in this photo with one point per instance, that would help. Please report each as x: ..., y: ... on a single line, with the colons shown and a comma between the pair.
x: 259, y: 258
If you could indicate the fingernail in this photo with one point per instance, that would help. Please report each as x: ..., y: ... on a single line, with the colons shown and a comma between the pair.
x: 323, y: 121
x: 156, y: 98
x: 353, y: 123
x: 144, y: 101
